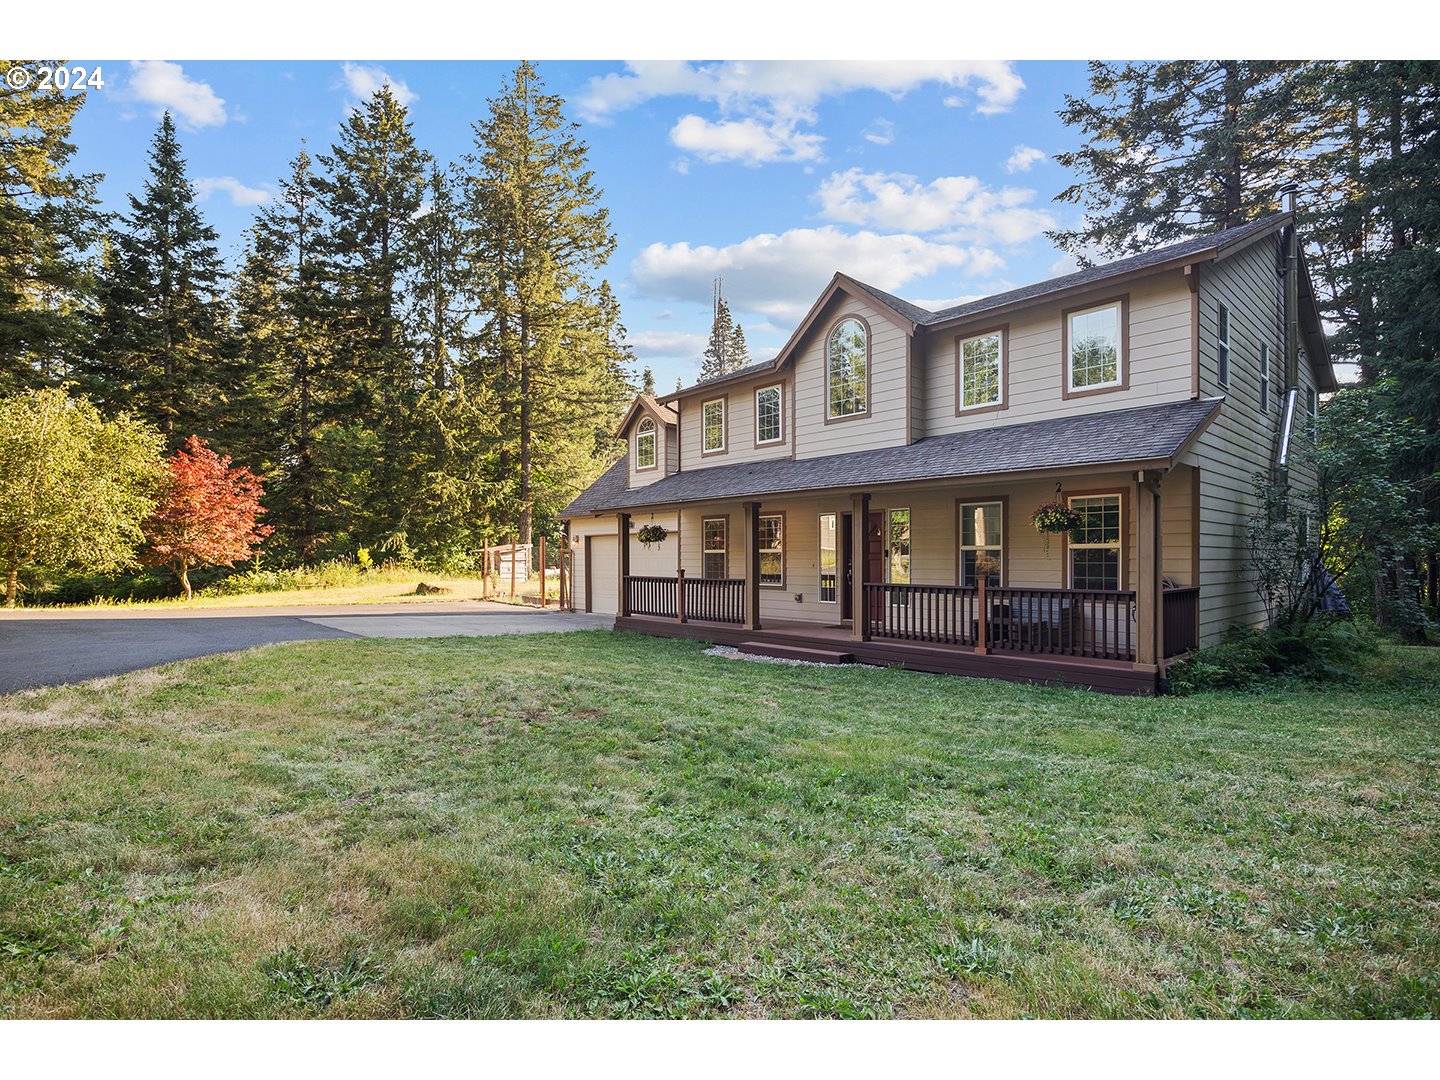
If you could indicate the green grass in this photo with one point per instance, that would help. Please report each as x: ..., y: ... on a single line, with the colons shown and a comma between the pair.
x: 608, y: 825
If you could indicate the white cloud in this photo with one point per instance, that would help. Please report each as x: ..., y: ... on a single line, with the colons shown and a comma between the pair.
x: 763, y: 105
x: 1065, y: 264
x: 779, y: 275
x: 362, y: 80
x: 667, y: 343
x: 750, y: 141
x: 1023, y: 159
x: 962, y: 207
x: 166, y: 88
x: 240, y: 194
x: 799, y: 84
x: 881, y: 132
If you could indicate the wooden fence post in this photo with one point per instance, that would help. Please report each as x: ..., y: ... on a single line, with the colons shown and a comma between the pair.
x: 543, y: 580
x: 982, y: 623
x: 680, y: 595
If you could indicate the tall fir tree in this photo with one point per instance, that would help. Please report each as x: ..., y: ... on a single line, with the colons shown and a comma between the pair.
x: 1171, y: 149
x: 549, y: 335
x: 284, y: 315
x: 726, y: 350
x: 48, y: 219
x: 371, y: 192
x: 164, y: 348
x: 647, y: 381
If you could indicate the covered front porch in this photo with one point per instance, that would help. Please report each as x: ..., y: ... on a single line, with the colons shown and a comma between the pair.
x: 1102, y: 610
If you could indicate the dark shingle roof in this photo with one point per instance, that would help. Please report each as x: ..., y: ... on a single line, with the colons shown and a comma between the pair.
x: 1196, y: 244
x: 1148, y: 433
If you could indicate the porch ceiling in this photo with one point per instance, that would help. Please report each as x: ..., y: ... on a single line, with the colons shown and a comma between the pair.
x: 1152, y: 434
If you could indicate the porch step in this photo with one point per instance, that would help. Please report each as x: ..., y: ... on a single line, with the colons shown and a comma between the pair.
x: 795, y: 652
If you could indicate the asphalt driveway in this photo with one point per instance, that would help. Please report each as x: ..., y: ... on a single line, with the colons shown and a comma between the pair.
x: 47, y: 648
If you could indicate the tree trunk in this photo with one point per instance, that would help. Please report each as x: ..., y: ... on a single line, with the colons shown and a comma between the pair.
x: 183, y: 569
x: 527, y: 507
x: 12, y: 585
x: 1234, y: 179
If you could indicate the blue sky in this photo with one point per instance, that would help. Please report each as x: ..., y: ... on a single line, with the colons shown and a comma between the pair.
x: 933, y: 180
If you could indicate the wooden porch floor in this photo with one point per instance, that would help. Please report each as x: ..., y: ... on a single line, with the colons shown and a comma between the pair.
x: 1106, y: 676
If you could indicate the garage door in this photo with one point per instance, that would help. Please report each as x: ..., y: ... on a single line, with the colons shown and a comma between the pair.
x: 602, y: 565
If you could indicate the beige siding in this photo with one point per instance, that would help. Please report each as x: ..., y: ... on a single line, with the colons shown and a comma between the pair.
x: 1159, y: 363
x: 1241, y: 442
x: 740, y: 426
x: 665, y: 454
x: 885, y: 423
x: 658, y: 560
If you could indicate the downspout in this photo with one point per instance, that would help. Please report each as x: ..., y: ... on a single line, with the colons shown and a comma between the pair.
x: 1292, y: 339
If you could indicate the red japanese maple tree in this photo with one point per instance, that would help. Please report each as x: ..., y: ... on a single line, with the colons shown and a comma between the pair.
x: 207, y: 516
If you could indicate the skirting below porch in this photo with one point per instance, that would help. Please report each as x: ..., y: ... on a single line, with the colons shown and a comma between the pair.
x: 1105, y: 676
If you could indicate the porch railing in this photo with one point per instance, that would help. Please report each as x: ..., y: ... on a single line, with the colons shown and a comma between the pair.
x: 1181, y: 612
x: 719, y: 600
x: 1066, y: 622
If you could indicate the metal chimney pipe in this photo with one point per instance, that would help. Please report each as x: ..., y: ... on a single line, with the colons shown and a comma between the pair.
x: 1292, y: 293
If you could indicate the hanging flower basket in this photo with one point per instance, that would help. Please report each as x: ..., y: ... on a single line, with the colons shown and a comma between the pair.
x: 652, y: 534
x: 1054, y: 518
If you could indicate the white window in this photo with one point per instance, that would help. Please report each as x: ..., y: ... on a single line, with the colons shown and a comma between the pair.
x: 713, y: 413
x: 772, y: 550
x: 847, y: 372
x: 899, y: 547
x: 1264, y: 378
x: 713, y: 560
x: 982, y: 532
x: 829, y: 581
x: 1222, y: 348
x: 645, y: 444
x: 1095, y: 543
x: 981, y: 375
x: 1096, y: 348
x: 769, y: 415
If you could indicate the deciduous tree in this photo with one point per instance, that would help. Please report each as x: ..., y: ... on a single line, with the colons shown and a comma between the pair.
x: 74, y: 486
x: 207, y: 514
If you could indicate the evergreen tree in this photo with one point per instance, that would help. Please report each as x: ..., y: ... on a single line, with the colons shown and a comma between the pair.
x: 285, y: 316
x: 726, y: 350
x: 647, y: 381
x: 47, y: 221
x: 1172, y: 149
x: 549, y: 336
x: 371, y: 193
x: 164, y: 349
x: 437, y: 314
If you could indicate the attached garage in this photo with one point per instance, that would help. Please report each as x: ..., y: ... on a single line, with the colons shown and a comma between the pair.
x: 601, y: 574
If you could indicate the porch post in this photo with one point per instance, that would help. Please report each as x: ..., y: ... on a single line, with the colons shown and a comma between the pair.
x: 859, y: 565
x: 622, y: 608
x: 1149, y: 592
x: 752, y: 565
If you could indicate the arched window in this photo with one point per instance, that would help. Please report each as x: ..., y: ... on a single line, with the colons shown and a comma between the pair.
x: 847, y: 354
x: 645, y: 444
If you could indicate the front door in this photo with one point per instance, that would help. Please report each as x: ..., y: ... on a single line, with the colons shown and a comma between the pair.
x: 875, y: 555
x: 847, y: 569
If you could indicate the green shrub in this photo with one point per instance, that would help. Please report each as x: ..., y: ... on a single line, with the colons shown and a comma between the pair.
x: 1249, y: 659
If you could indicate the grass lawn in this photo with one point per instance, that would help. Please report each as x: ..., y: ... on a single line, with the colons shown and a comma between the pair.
x: 609, y: 825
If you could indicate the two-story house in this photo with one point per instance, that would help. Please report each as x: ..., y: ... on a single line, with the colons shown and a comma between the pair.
x: 834, y: 503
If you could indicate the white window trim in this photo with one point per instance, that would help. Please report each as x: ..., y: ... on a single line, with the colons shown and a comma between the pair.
x: 724, y: 425
x: 820, y: 561
x: 999, y: 402
x: 654, y: 436
x: 960, y: 536
x: 864, y: 408
x: 1120, y: 358
x: 723, y: 552
x: 1119, y: 545
x: 1224, y: 354
x: 780, y: 550
x: 780, y: 390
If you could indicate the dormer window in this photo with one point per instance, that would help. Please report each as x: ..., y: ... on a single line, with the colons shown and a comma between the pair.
x: 980, y: 382
x: 645, y: 444
x: 847, y: 369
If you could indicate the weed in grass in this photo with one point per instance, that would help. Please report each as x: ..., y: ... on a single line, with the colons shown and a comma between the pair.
x: 299, y: 982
